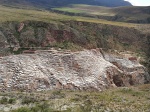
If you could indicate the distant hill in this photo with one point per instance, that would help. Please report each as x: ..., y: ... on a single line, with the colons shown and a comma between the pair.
x: 132, y: 14
x: 58, y: 3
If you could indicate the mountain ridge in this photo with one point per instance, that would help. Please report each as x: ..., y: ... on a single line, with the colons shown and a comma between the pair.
x: 59, y: 3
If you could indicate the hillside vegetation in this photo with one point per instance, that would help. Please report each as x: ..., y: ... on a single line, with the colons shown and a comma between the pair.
x: 128, y: 99
x: 125, y: 14
x: 17, y: 14
x: 82, y: 32
x: 30, y: 29
x: 96, y: 32
x: 47, y: 4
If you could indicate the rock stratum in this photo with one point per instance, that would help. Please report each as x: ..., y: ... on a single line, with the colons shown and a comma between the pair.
x: 82, y: 70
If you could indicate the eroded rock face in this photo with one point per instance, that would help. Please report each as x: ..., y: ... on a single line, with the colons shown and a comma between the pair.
x: 82, y: 70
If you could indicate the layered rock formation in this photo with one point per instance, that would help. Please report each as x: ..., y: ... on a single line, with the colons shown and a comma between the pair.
x: 74, y: 35
x: 82, y: 70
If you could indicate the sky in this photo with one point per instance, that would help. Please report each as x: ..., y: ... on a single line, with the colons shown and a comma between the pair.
x: 139, y: 2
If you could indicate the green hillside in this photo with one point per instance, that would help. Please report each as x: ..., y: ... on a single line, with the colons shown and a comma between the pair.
x: 47, y: 4
x: 74, y: 28
x: 125, y: 14
x: 18, y: 14
x: 88, y: 9
x: 86, y: 32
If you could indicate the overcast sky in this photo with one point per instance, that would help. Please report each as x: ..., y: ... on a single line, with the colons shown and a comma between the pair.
x: 140, y: 2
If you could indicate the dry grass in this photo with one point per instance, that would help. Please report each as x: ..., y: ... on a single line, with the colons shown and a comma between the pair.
x: 88, y: 9
x: 124, y: 14
x: 127, y: 99
x: 15, y: 14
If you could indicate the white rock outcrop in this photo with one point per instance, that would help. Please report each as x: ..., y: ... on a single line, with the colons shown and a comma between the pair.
x: 82, y: 70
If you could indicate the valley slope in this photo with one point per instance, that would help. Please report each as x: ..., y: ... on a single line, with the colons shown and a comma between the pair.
x: 55, y: 62
x: 32, y: 30
x: 132, y: 14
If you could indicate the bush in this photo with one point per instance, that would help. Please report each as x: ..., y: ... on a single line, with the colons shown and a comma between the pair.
x: 87, y: 106
x: 22, y: 109
x: 35, y: 109
x: 131, y: 92
x: 11, y: 101
x: 75, y: 99
x: 4, y: 100
x: 58, y: 94
x: 28, y: 100
x: 43, y: 107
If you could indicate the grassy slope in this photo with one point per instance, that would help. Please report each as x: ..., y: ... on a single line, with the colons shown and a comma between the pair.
x: 134, y: 99
x: 129, y: 99
x: 88, y: 9
x: 126, y: 13
x: 14, y: 14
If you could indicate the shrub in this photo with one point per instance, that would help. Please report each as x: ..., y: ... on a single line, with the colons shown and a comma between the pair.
x: 4, y: 100
x: 27, y: 100
x: 11, y: 101
x: 22, y: 109
x: 43, y: 107
x: 58, y: 94
x: 87, y: 106
x: 131, y: 92
x: 75, y: 99
x: 35, y: 109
